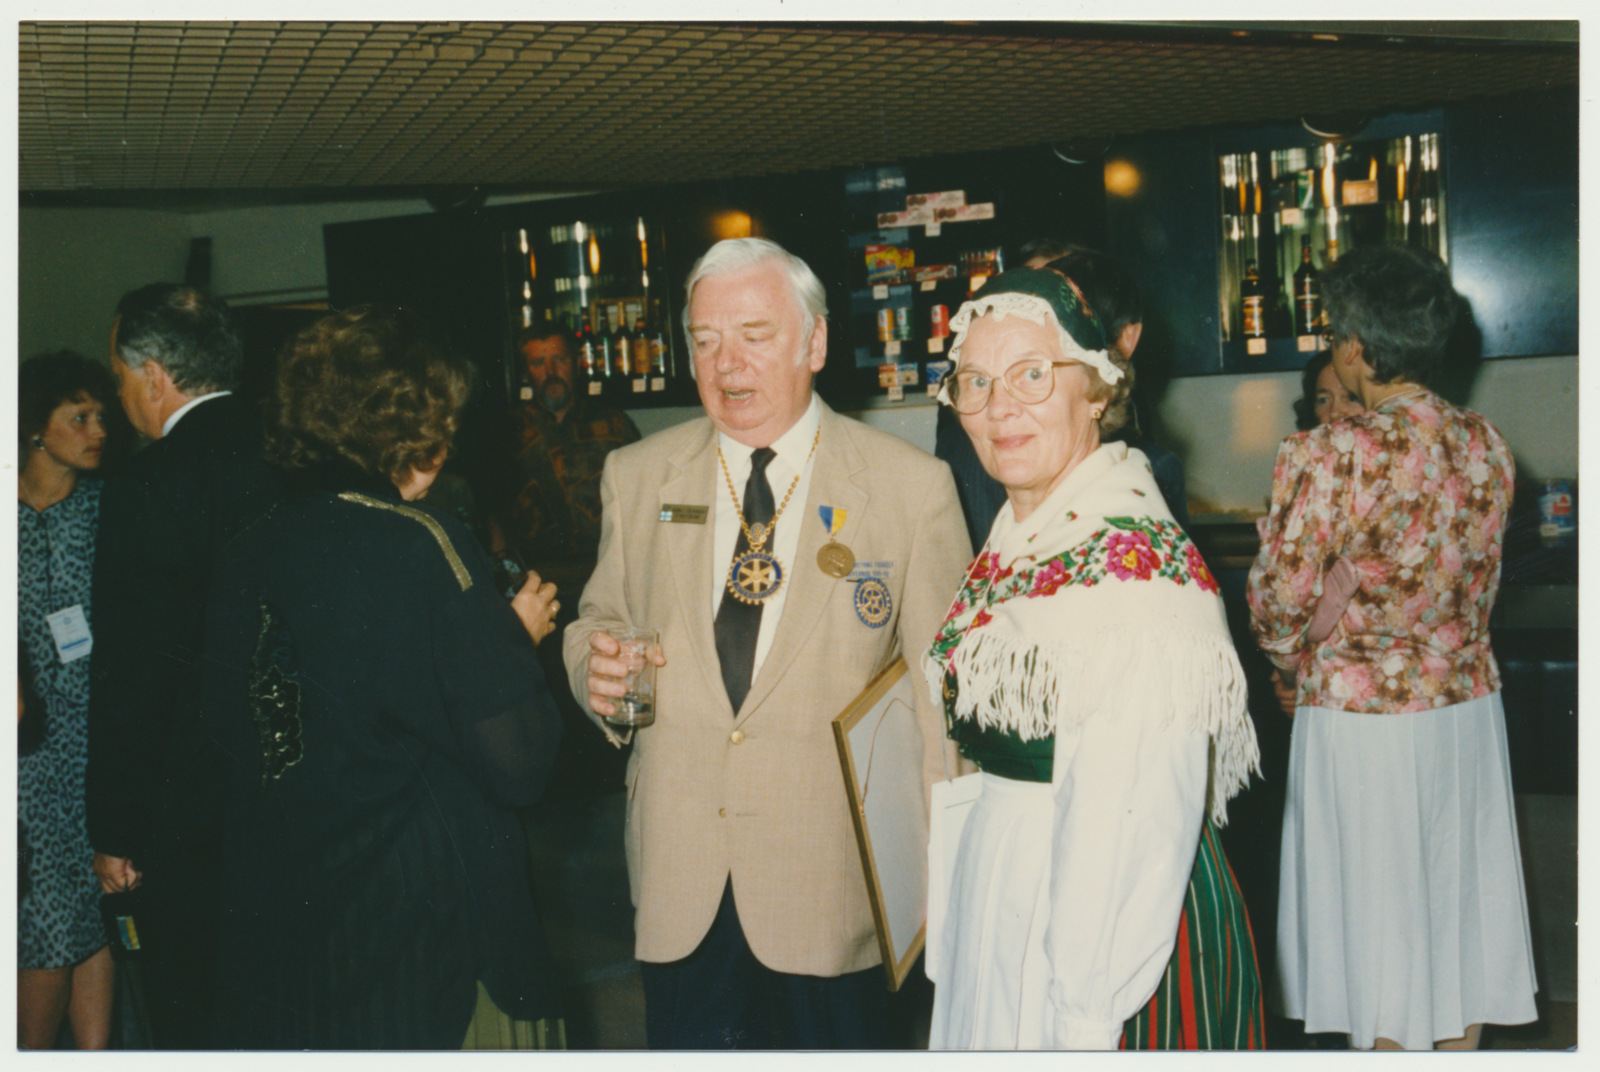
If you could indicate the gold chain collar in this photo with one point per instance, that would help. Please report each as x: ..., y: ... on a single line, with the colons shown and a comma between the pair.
x: 757, y: 535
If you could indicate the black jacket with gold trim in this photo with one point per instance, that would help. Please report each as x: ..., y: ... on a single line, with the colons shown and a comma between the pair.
x: 382, y: 712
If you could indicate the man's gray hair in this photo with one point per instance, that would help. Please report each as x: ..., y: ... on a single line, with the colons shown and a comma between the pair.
x: 184, y: 330
x: 737, y: 254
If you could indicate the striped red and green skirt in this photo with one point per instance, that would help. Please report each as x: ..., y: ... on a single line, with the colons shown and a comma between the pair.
x: 1210, y: 996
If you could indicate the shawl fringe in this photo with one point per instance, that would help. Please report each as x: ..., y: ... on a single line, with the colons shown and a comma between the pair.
x: 1192, y: 674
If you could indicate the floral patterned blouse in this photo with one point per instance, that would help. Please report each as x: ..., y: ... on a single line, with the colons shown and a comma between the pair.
x: 1415, y: 492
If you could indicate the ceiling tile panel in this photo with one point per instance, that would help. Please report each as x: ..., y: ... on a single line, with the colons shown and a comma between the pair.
x: 109, y: 107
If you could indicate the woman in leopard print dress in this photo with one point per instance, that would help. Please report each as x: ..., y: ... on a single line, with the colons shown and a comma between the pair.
x: 64, y: 968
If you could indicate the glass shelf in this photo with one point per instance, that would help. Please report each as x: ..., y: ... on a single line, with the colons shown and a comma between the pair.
x: 600, y: 282
x: 1328, y: 198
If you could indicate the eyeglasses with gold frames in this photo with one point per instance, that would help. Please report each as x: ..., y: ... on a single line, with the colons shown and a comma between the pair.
x: 1029, y: 382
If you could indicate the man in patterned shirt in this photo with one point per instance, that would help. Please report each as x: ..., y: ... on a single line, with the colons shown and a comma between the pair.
x: 562, y: 439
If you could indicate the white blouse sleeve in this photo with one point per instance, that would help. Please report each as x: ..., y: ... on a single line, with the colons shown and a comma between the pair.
x: 1130, y: 793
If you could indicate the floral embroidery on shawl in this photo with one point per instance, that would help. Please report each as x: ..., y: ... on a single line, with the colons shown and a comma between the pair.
x: 1128, y: 549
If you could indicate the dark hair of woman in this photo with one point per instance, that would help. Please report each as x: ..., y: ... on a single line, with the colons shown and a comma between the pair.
x: 49, y: 380
x: 376, y: 386
x: 1399, y: 302
x: 1305, y: 407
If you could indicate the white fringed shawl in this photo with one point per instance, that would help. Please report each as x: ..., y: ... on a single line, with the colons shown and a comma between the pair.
x: 1098, y: 603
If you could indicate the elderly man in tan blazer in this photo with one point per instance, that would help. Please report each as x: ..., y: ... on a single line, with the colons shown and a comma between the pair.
x: 787, y: 555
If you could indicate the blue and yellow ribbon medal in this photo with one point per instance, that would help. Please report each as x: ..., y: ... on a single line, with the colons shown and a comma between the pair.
x: 833, y: 557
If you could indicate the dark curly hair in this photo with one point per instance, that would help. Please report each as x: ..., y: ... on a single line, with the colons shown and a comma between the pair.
x: 376, y: 386
x: 48, y: 380
x: 1398, y: 300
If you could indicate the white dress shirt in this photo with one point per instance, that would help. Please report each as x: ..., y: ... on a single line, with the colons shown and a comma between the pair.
x: 172, y: 422
x: 793, y: 459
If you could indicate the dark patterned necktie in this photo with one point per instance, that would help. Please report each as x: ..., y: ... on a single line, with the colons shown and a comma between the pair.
x: 739, y: 623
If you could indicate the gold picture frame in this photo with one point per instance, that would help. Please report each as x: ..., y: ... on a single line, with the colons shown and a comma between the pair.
x: 880, y: 754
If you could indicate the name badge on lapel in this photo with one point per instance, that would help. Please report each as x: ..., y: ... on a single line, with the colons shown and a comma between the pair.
x: 684, y: 514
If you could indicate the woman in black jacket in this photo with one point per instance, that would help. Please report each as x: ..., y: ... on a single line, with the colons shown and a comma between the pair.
x: 383, y: 711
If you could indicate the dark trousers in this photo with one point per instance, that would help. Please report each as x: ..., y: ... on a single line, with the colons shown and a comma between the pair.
x: 177, y: 970
x: 720, y: 997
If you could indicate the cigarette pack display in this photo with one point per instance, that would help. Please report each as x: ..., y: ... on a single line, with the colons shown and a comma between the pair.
x: 935, y: 200
x: 963, y: 213
x: 924, y: 272
x: 911, y: 217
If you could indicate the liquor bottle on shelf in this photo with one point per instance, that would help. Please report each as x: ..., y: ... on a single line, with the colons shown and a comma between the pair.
x: 1307, y: 293
x: 604, y: 342
x: 660, y: 345
x: 621, y: 344
x: 643, y: 358
x: 589, y: 356
x: 1253, y: 302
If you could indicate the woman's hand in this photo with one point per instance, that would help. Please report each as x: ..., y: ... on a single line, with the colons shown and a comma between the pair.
x: 116, y: 873
x: 1284, y: 691
x: 536, y: 604
x: 1338, y: 586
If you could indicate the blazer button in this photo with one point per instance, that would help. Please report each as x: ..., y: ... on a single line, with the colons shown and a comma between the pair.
x: 722, y: 812
x: 736, y: 736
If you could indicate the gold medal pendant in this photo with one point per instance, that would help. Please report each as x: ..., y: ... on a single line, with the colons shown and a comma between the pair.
x: 835, y: 559
x: 755, y: 577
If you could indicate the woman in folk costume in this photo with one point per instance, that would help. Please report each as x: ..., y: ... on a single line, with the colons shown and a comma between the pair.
x: 1089, y: 674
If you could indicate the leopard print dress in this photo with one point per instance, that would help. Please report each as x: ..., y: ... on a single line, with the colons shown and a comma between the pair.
x: 58, y: 917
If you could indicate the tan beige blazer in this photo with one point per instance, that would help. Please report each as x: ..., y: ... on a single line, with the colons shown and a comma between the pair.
x: 759, y: 795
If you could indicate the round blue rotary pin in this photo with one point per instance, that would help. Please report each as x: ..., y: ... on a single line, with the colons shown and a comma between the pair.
x: 873, y: 602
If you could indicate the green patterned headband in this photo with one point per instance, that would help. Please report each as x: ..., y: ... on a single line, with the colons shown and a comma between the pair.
x: 1047, y: 297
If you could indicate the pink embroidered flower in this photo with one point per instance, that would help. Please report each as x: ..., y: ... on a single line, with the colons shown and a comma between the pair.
x: 983, y: 618
x: 1130, y: 556
x: 1052, y: 577
x: 984, y: 567
x: 1198, y: 569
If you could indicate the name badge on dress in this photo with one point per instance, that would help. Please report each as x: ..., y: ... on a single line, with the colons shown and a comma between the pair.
x: 70, y: 628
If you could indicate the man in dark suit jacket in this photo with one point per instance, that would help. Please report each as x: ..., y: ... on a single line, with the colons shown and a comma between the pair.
x: 151, y: 783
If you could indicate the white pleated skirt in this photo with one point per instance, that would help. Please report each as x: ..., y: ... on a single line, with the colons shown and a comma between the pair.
x: 1402, y: 912
x: 992, y: 990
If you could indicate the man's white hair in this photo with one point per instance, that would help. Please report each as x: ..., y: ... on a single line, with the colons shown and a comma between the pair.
x: 737, y: 254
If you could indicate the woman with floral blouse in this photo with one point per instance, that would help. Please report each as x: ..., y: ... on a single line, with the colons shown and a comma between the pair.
x: 1088, y: 672
x: 1402, y: 918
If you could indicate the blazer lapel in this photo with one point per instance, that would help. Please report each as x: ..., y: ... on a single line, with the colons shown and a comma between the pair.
x: 692, y: 481
x: 833, y: 483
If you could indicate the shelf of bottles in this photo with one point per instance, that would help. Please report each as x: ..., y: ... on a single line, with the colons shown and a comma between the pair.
x: 600, y: 283
x: 915, y: 257
x: 1288, y: 213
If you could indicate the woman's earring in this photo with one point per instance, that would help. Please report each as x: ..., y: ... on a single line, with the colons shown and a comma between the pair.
x: 38, y: 442
x: 1097, y: 412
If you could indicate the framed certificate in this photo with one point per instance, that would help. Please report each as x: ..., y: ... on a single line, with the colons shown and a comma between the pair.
x: 880, y: 751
